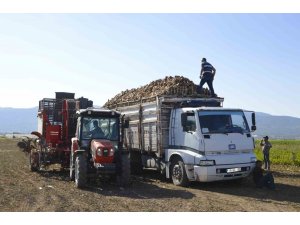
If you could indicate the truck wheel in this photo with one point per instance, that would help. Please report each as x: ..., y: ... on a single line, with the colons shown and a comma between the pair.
x: 178, y: 173
x: 80, y: 171
x: 72, y: 173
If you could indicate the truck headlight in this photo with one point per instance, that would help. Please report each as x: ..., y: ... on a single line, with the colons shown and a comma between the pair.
x: 253, y: 159
x: 207, y: 163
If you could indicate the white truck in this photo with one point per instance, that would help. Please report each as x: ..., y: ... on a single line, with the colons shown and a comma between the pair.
x: 188, y: 139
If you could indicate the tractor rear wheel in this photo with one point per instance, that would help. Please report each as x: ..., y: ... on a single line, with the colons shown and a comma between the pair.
x: 123, y: 177
x: 136, y: 165
x: 80, y: 171
x: 125, y: 170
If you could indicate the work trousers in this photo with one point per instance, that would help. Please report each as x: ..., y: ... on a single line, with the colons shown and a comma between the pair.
x: 267, y: 161
x: 207, y: 78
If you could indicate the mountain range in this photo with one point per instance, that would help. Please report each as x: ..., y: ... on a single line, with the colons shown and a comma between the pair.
x: 276, y: 127
x: 18, y: 120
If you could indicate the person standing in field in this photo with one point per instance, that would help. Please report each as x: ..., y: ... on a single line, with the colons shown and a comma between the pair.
x: 207, y: 75
x: 266, y: 146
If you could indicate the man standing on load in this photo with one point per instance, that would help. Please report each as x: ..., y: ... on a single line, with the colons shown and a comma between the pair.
x: 207, y: 75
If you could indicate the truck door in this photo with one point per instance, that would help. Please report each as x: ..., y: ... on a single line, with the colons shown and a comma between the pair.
x: 187, y: 135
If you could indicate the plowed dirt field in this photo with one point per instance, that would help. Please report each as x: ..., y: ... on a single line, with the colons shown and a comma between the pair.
x: 51, y: 191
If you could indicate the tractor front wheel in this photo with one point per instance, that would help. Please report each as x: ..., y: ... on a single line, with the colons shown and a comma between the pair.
x: 80, y: 171
x: 72, y: 172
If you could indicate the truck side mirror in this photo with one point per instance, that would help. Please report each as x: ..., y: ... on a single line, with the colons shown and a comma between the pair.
x: 183, y: 121
x: 253, y: 127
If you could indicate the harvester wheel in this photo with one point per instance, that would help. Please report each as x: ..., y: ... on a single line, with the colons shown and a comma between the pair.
x: 80, y: 171
x: 34, y: 161
x: 178, y: 173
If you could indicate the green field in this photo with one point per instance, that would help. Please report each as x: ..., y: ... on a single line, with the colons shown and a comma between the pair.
x: 285, y: 152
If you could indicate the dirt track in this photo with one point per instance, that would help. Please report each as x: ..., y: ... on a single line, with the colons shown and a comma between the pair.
x: 22, y: 190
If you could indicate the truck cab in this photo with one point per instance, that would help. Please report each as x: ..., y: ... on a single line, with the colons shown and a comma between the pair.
x: 209, y: 144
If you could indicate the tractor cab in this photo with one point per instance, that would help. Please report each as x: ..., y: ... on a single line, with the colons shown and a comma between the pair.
x: 98, y: 124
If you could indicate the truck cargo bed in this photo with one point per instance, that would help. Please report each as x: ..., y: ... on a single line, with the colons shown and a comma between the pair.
x: 149, y: 120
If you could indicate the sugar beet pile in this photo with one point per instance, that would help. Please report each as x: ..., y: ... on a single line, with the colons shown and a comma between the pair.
x: 177, y: 86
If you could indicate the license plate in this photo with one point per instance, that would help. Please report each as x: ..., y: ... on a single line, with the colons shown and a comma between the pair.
x: 231, y: 147
x: 232, y: 170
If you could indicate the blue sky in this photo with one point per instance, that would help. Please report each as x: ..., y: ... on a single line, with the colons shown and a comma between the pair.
x: 98, y: 55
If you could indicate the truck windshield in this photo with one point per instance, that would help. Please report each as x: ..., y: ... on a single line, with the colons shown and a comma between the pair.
x: 100, y: 128
x: 223, y: 122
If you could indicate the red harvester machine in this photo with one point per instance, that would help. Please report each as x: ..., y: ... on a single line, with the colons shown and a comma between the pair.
x: 56, y: 127
x: 67, y: 136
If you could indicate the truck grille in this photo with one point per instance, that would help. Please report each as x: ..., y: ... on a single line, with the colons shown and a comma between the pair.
x: 105, y: 152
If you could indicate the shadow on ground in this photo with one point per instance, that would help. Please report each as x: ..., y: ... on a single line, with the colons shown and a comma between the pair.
x: 246, y: 188
x: 147, y: 186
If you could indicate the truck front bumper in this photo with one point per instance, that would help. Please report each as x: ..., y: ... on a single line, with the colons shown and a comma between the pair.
x: 221, y: 172
x: 105, y: 168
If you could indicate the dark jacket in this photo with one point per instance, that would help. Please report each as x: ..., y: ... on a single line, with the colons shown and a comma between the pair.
x: 207, y: 68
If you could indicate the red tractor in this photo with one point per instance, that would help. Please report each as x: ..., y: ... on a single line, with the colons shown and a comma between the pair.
x: 85, y: 140
x: 97, y: 148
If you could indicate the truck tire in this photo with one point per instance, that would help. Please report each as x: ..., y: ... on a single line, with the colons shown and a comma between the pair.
x: 72, y: 172
x: 80, y: 171
x: 178, y: 173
